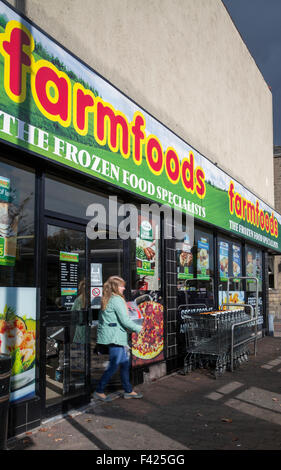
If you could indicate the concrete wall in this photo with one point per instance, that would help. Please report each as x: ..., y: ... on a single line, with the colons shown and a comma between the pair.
x: 185, y: 63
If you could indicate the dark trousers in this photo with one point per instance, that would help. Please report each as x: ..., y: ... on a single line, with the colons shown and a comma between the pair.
x: 118, y: 357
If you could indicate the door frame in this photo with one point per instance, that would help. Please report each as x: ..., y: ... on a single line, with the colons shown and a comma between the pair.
x: 68, y: 403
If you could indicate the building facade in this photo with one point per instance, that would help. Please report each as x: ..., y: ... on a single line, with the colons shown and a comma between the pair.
x: 274, y: 261
x: 116, y: 119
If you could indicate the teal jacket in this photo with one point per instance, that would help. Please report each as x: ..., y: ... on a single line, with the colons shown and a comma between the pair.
x: 113, y: 323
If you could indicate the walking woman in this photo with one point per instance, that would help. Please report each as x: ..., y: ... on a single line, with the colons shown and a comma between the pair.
x: 113, y: 322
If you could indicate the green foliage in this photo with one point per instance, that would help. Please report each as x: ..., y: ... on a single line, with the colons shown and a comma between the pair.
x: 3, y: 21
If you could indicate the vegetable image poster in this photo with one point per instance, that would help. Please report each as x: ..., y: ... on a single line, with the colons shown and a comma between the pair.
x: 18, y: 337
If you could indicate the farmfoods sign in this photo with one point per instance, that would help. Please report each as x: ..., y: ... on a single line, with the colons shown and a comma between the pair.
x: 56, y: 107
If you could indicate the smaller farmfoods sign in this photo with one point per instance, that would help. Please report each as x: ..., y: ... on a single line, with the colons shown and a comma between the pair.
x: 17, y: 337
x: 58, y: 108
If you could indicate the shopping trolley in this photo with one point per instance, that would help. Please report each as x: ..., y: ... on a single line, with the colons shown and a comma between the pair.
x: 219, y: 340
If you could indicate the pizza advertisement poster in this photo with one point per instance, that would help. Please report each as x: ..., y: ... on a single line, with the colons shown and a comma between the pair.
x: 148, y: 345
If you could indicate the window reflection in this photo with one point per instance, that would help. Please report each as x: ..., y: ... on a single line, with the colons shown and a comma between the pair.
x: 17, y: 195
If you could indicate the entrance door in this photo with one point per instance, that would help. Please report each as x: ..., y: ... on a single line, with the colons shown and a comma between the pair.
x: 65, y: 316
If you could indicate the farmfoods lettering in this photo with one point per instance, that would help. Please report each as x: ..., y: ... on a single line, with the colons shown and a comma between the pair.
x: 58, y: 108
x: 61, y: 102
x: 246, y: 210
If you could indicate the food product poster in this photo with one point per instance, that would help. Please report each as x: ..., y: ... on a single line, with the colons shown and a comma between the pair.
x: 145, y: 249
x: 185, y: 260
x: 203, y: 258
x: 236, y: 260
x: 17, y: 337
x: 223, y: 259
x: 250, y: 263
x: 147, y: 255
x: 148, y: 345
x: 235, y: 297
x: 254, y: 268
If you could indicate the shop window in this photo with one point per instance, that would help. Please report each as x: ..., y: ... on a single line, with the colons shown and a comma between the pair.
x: 66, y: 268
x: 195, y: 269
x: 17, y: 236
x: 271, y: 272
x: 253, y: 266
x: 70, y: 199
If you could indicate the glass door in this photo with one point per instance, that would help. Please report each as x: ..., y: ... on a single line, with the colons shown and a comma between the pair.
x: 65, y: 315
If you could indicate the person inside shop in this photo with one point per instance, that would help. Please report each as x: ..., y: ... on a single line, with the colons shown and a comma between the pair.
x: 113, y: 324
x: 81, y: 331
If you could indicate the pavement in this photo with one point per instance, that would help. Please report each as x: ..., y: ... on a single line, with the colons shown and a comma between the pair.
x: 241, y: 410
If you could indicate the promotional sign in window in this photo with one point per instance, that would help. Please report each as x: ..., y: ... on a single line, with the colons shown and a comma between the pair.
x: 223, y: 260
x: 235, y: 297
x: 185, y: 259
x: 148, y: 345
x: 253, y: 267
x: 147, y: 255
x: 17, y: 337
x: 203, y: 258
x: 145, y: 249
x: 68, y: 278
x: 96, y: 295
x: 8, y: 225
x: 236, y: 260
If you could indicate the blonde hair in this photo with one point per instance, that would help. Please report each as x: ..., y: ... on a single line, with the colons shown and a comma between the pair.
x: 111, y: 286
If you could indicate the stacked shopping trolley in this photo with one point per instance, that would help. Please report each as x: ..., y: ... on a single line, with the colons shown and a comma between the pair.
x: 218, y: 340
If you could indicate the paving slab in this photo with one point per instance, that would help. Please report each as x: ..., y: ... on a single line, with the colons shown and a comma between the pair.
x: 241, y: 410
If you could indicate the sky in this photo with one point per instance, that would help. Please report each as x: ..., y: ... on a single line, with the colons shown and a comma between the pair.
x: 259, y: 24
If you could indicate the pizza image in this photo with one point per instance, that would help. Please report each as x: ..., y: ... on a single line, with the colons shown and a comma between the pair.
x: 149, y: 342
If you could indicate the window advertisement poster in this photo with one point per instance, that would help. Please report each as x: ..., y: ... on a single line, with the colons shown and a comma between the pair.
x: 147, y: 255
x: 236, y: 260
x: 185, y: 259
x: 145, y: 249
x: 18, y: 338
x: 96, y: 274
x: 235, y: 297
x: 253, y: 267
x: 148, y: 345
x: 8, y: 225
x: 223, y: 260
x: 203, y: 258
x: 68, y: 278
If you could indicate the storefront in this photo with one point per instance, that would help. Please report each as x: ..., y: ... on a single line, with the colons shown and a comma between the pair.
x: 78, y: 162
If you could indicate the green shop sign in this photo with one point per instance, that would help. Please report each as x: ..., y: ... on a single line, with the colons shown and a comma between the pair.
x: 58, y: 108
